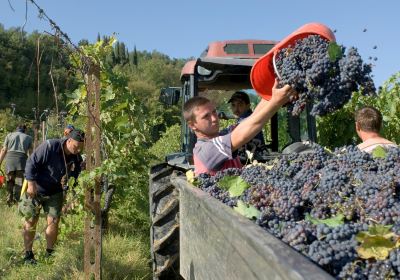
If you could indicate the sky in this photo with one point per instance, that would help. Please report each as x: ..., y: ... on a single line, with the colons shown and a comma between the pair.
x: 183, y: 28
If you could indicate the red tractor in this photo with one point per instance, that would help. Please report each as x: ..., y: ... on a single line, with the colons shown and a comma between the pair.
x: 193, y: 235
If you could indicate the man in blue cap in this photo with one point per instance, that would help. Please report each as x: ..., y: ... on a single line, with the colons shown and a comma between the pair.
x: 240, y: 106
x: 68, y: 129
x: 53, y: 162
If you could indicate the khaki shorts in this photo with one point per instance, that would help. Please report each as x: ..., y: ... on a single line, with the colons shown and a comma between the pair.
x: 52, y: 205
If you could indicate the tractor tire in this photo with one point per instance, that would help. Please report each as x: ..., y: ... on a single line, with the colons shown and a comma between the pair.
x: 164, y: 229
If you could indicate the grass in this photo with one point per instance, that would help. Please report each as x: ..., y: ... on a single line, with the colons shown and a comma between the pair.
x: 125, y: 252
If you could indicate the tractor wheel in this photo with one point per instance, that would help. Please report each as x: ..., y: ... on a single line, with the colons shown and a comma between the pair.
x: 164, y: 230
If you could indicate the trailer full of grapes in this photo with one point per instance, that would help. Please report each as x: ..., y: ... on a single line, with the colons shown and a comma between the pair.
x: 211, y: 240
x: 309, y: 198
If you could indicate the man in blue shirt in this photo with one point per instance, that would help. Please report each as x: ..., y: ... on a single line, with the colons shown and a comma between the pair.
x: 47, y: 170
x: 240, y: 106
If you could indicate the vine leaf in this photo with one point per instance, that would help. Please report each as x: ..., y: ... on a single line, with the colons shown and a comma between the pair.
x: 334, y: 51
x: 376, y: 247
x: 247, y: 211
x: 190, y: 177
x: 331, y: 222
x: 235, y: 185
x: 377, y: 242
x: 381, y: 230
x: 379, y: 152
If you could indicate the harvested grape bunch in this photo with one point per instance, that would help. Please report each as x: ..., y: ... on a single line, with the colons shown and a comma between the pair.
x: 340, y: 209
x: 323, y: 73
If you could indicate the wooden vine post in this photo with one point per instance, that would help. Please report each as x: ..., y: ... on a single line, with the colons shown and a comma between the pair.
x: 93, y: 231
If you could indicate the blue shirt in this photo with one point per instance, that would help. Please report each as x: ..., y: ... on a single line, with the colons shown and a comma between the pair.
x: 259, y: 136
x: 257, y: 141
x: 47, y: 166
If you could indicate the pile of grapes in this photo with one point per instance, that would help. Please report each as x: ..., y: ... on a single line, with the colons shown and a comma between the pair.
x: 323, y: 74
x: 298, y: 194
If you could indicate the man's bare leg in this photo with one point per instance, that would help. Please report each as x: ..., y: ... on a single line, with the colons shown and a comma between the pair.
x: 51, y: 231
x: 29, y: 235
x: 29, y: 232
x: 10, y: 188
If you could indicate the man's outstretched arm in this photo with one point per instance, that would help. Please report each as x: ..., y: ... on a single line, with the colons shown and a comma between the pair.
x: 264, y: 111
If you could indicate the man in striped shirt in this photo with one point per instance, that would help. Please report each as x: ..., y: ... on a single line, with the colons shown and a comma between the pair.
x: 214, y: 152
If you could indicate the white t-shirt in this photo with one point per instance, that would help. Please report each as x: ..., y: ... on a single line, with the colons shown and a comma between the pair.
x: 370, y: 144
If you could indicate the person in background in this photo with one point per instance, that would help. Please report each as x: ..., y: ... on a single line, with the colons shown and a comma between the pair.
x: 47, y: 170
x: 68, y: 129
x: 214, y: 152
x: 240, y: 106
x: 16, y: 148
x: 368, y: 124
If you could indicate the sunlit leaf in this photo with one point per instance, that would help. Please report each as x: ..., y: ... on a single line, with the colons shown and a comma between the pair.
x: 377, y: 242
x: 190, y: 177
x: 234, y: 184
x: 379, y: 152
x: 376, y: 247
x: 331, y: 222
x: 247, y: 211
x: 380, y: 229
x: 334, y: 51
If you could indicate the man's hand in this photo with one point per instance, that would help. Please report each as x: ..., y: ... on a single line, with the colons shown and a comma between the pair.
x: 281, y: 96
x: 32, y: 189
x: 64, y: 180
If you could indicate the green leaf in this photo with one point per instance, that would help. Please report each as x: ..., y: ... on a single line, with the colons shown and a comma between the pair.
x: 379, y: 152
x: 190, y: 177
x: 380, y: 229
x: 121, y: 106
x: 247, y: 211
x: 331, y: 222
x: 377, y: 242
x: 334, y: 51
x: 377, y: 247
x: 122, y: 121
x: 234, y: 184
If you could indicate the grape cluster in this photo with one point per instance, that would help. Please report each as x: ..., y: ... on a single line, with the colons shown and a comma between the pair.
x: 321, y: 78
x: 320, y: 184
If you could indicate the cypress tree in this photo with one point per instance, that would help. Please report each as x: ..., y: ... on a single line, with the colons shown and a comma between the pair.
x: 122, y: 53
x: 117, y: 53
x: 135, y: 57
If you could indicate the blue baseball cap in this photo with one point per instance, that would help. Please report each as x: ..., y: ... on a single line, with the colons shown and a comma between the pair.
x: 70, y: 126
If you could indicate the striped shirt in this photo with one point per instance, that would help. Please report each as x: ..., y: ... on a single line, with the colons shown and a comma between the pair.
x: 213, y: 155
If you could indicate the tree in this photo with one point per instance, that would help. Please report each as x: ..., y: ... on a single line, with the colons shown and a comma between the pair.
x: 122, y: 51
x: 135, y: 57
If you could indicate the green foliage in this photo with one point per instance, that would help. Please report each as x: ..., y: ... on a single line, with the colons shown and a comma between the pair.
x: 125, y: 133
x: 19, y: 71
x: 169, y: 142
x: 8, y: 122
x: 338, y: 129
